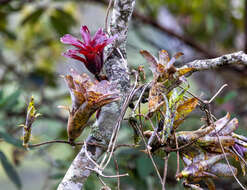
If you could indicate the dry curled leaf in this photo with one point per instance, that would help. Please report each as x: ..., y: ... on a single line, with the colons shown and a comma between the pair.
x: 87, y: 97
x: 164, y: 72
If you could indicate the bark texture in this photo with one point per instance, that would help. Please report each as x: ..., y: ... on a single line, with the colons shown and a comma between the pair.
x: 237, y: 58
x: 117, y: 72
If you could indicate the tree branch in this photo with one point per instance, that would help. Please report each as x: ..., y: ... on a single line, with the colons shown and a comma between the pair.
x: 117, y: 72
x: 237, y: 58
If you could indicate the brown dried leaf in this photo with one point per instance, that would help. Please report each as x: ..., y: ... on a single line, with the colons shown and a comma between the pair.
x: 155, y: 99
x: 149, y: 57
x: 151, y: 60
x: 87, y: 97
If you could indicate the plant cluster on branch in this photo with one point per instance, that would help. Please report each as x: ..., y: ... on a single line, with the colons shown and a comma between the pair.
x: 202, y: 151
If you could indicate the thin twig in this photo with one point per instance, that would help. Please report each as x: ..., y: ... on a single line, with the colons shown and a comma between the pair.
x: 165, y: 171
x: 101, y: 181
x: 99, y: 172
x: 65, y: 142
x: 89, y: 157
x: 117, y: 168
x: 117, y: 126
x: 107, y: 14
x: 155, y: 131
x: 125, y: 145
x: 55, y: 141
x: 150, y: 156
x: 176, y: 141
x: 229, y: 163
x: 139, y: 100
x: 221, y: 146
x: 217, y: 93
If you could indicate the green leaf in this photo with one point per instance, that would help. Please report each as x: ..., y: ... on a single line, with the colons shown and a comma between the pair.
x: 61, y: 21
x: 10, y: 170
x: 1, y: 94
x: 56, y: 176
x: 229, y: 96
x: 11, y: 140
x: 33, y: 17
x: 10, y: 101
x: 144, y: 167
x: 210, y: 23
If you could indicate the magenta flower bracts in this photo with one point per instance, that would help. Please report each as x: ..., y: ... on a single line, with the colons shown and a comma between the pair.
x: 90, y: 48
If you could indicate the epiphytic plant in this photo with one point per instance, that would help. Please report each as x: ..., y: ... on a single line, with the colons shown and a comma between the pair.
x: 91, y: 48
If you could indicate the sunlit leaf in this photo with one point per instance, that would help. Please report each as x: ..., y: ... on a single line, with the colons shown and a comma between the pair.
x: 10, y: 170
x: 30, y: 118
x: 61, y: 21
x: 33, y: 17
x: 184, y: 110
x: 184, y: 71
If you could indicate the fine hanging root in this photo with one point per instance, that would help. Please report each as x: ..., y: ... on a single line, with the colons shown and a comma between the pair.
x: 176, y: 141
x: 139, y: 100
x: 97, y: 168
x: 101, y: 181
x: 117, y: 169
x: 165, y: 171
x: 147, y: 147
x: 112, y: 147
x: 99, y: 172
x: 107, y: 15
x: 89, y: 157
x: 150, y: 155
x: 210, y: 119
x: 117, y: 126
x: 241, y: 185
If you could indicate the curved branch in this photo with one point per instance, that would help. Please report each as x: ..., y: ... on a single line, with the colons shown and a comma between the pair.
x: 237, y: 58
x: 117, y: 71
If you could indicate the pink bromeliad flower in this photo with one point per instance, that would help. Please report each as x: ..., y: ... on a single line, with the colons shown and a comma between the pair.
x: 90, y: 48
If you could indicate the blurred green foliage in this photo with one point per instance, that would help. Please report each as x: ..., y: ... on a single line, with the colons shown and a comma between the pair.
x: 30, y: 63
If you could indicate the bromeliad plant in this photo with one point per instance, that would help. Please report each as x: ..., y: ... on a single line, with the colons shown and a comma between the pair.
x: 87, y: 95
x: 91, y: 49
x: 202, y: 151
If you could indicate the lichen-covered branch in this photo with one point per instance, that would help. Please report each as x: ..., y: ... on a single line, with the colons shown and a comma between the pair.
x: 237, y: 58
x: 117, y: 72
